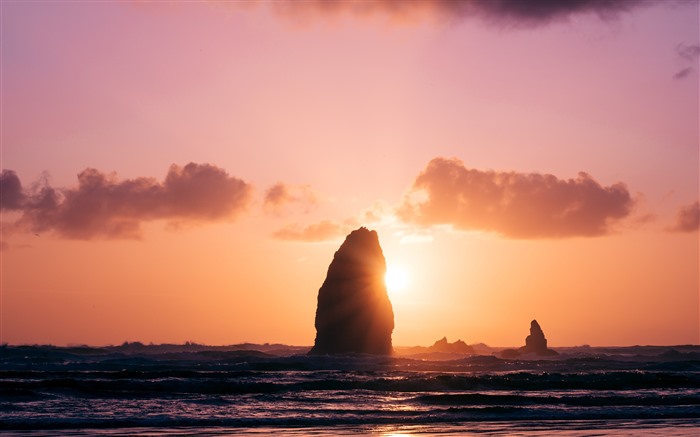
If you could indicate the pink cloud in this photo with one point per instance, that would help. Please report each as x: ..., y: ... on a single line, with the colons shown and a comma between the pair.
x: 689, y: 54
x: 321, y: 231
x: 102, y: 206
x: 513, y: 204
x: 687, y: 218
x: 331, y: 229
x: 11, y: 195
x: 279, y: 197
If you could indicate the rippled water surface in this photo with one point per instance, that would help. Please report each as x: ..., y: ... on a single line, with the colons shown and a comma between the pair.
x: 92, y: 391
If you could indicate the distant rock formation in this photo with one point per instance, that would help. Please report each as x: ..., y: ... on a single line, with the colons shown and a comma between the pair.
x: 482, y: 349
x: 354, y: 314
x: 458, y: 347
x: 535, y: 343
x: 440, y: 350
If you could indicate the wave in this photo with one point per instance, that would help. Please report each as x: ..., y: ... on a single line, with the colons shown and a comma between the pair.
x: 473, y: 399
x: 685, y: 417
x: 70, y: 388
x: 177, y: 382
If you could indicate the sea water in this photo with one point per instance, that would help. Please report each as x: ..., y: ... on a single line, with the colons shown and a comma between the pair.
x: 182, y: 392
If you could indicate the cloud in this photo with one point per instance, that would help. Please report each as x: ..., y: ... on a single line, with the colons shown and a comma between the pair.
x: 377, y: 214
x: 101, y: 206
x: 322, y: 231
x: 683, y: 73
x: 504, y: 12
x: 687, y: 218
x: 689, y: 53
x: 280, y: 196
x: 513, y: 204
x: 546, y: 11
x: 11, y: 195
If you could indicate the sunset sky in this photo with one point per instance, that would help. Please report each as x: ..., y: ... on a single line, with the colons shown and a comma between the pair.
x: 185, y: 171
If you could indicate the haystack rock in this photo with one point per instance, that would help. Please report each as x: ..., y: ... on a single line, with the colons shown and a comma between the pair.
x: 354, y: 314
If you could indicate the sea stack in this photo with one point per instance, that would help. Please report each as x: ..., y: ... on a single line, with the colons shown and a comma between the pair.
x: 354, y: 314
x: 535, y: 342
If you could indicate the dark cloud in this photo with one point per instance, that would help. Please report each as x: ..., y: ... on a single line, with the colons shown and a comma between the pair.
x: 280, y: 196
x: 11, y: 195
x: 513, y: 204
x: 544, y: 11
x: 508, y: 12
x: 687, y: 218
x: 689, y: 52
x: 101, y: 206
x: 683, y: 73
x: 277, y: 194
x: 324, y: 230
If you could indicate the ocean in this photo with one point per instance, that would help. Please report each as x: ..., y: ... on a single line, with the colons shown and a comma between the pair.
x: 188, y: 390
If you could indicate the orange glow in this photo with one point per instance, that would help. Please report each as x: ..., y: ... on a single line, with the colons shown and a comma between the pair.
x: 397, y: 279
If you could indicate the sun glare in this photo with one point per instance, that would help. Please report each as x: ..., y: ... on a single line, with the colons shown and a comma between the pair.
x: 396, y: 279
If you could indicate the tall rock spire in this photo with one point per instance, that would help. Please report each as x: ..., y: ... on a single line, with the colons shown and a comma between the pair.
x: 354, y: 314
x: 536, y: 341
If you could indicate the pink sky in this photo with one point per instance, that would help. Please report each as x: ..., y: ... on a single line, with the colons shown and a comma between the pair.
x: 458, y: 133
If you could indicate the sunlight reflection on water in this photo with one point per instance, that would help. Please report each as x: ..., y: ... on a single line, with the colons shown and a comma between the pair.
x: 673, y: 428
x: 348, y: 396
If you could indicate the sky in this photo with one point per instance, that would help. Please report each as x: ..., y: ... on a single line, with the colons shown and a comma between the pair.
x: 185, y: 171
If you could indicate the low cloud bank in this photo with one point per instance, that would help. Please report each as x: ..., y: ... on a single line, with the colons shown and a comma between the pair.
x: 321, y: 231
x: 280, y: 197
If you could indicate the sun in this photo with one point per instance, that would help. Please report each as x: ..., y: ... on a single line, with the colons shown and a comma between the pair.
x: 396, y: 278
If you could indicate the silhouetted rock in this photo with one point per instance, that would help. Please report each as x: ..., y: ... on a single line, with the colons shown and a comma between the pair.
x: 440, y: 350
x: 535, y: 343
x: 354, y: 314
x: 458, y: 347
x: 510, y: 353
x: 482, y: 349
